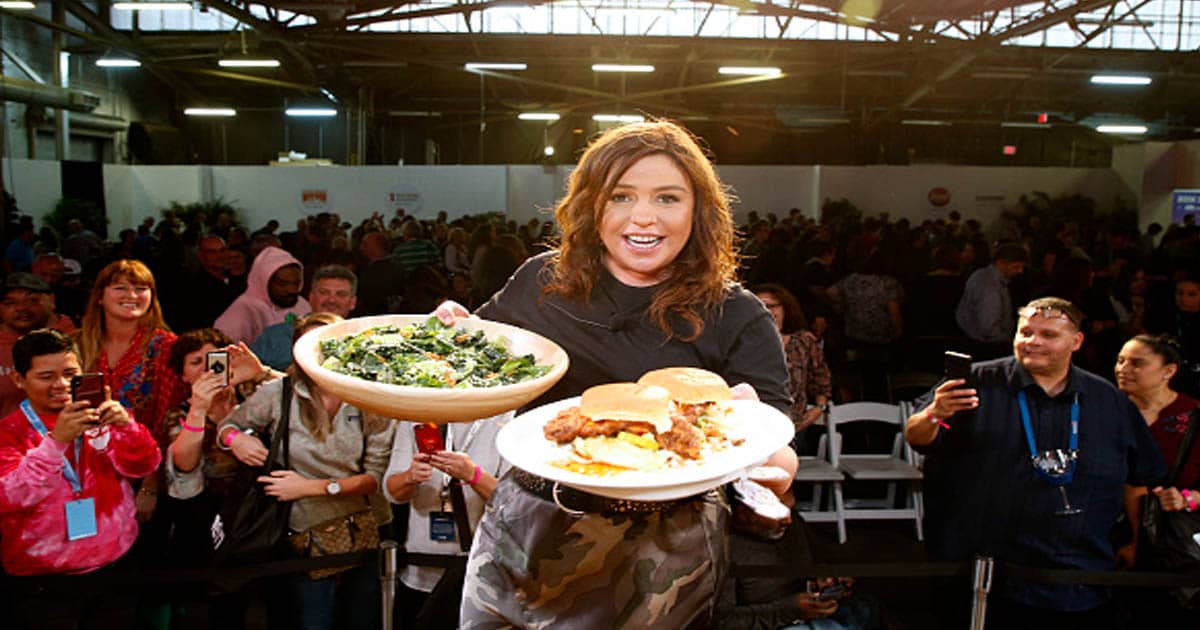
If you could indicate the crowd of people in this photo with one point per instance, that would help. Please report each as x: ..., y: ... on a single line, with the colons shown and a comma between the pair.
x: 637, y: 272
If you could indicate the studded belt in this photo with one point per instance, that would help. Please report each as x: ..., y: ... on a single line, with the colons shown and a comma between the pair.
x: 572, y: 500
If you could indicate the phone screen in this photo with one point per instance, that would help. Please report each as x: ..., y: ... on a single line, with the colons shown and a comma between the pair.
x: 218, y: 362
x: 89, y: 388
x: 429, y: 438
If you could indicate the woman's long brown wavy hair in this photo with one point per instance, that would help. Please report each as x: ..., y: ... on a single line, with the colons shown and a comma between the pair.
x: 91, y: 333
x: 700, y: 275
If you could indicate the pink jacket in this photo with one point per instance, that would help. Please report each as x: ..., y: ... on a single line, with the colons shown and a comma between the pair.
x: 33, y: 493
x: 253, y: 310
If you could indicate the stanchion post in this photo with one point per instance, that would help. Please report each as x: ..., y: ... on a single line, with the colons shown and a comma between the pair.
x: 982, y: 584
x: 389, y: 560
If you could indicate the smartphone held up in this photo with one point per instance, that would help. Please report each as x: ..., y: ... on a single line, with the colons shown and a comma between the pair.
x: 957, y: 366
x: 88, y: 388
x: 217, y: 362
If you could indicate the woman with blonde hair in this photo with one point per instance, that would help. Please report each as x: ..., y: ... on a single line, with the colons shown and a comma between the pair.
x: 335, y: 461
x: 124, y: 337
x: 643, y: 279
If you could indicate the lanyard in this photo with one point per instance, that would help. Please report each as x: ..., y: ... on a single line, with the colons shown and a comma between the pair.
x: 449, y: 445
x: 1033, y: 452
x: 68, y: 470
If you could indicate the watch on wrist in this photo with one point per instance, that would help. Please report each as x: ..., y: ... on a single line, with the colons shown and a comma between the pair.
x: 333, y: 488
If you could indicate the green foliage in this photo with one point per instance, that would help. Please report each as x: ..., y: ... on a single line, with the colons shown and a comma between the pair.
x: 836, y: 211
x: 88, y: 213
x: 210, y: 209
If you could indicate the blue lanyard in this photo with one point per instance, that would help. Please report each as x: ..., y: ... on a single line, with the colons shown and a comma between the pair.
x: 40, y: 427
x: 1033, y: 451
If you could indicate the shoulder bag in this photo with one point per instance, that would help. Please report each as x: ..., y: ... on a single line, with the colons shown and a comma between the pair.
x: 250, y: 525
x: 1169, y: 539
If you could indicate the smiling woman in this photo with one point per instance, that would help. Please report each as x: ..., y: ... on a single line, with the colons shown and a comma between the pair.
x: 643, y: 279
x: 125, y: 338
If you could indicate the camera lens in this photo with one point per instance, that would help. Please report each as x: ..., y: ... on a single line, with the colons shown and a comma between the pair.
x: 218, y: 367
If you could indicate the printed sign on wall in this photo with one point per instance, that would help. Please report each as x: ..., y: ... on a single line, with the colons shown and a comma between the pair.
x: 314, y: 200
x: 404, y: 196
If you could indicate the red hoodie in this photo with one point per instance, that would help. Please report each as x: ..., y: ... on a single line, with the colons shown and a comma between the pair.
x: 33, y: 493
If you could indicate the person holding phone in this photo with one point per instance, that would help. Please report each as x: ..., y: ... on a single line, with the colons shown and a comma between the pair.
x: 198, y: 472
x: 66, y: 504
x: 644, y: 278
x: 432, y: 469
x: 336, y: 460
x: 1027, y: 461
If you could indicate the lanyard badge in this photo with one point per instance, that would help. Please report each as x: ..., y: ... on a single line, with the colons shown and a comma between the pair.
x: 1055, y: 466
x: 80, y: 513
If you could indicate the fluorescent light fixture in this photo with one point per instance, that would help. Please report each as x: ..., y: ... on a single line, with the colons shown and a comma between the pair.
x: 210, y: 111
x: 480, y: 65
x: 919, y: 122
x: 117, y: 62
x: 750, y: 71
x: 1024, y: 125
x: 414, y: 113
x: 617, y: 67
x: 1121, y: 79
x: 1122, y: 129
x: 548, y: 151
x: 619, y: 118
x: 311, y: 112
x: 17, y: 6
x: 538, y: 116
x: 152, y: 6
x: 239, y: 62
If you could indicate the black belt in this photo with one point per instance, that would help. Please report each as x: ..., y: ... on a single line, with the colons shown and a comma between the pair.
x: 571, y: 499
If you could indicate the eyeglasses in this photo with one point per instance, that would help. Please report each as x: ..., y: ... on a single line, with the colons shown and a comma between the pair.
x: 1046, y: 312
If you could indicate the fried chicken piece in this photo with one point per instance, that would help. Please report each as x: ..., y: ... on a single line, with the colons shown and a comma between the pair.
x: 683, y: 438
x: 565, y: 426
x: 570, y: 424
x: 607, y: 428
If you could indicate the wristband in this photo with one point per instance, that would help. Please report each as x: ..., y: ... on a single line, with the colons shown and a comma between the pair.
x: 188, y: 427
x: 227, y: 440
x: 1190, y: 499
x: 479, y: 473
x: 936, y: 420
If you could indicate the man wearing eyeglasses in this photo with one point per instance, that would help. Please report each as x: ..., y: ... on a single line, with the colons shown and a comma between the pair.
x: 1026, y: 462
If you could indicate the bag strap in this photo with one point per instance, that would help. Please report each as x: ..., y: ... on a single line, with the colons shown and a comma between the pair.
x: 279, y: 438
x: 461, y: 521
x: 1185, y: 447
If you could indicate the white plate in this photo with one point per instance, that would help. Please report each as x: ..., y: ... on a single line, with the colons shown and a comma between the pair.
x: 523, y: 444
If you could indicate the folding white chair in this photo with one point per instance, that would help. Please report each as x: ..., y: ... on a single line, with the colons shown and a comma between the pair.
x: 895, y: 467
x: 820, y: 471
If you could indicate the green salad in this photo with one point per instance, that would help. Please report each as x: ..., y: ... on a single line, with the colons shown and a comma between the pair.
x: 428, y: 355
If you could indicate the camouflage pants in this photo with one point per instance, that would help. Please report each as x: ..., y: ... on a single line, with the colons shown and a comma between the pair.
x: 535, y: 566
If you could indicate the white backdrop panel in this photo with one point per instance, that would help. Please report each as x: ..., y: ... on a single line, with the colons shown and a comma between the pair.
x: 36, y: 185
x: 289, y: 193
x: 533, y: 191
x: 775, y: 189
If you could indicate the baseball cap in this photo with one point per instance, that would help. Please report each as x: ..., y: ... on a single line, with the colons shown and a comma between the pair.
x: 26, y: 281
x: 71, y: 267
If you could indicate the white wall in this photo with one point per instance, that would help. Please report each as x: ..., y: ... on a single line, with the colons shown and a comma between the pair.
x: 775, y: 189
x: 36, y: 185
x: 533, y: 191
x: 978, y: 192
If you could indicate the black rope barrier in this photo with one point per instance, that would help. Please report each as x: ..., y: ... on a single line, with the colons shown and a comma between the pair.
x: 1144, y: 579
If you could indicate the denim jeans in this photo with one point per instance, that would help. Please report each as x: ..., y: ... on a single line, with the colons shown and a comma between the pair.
x: 347, y: 600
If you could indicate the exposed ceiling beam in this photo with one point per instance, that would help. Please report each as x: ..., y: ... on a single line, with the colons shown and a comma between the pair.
x: 124, y: 42
x: 268, y: 31
x: 987, y: 43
